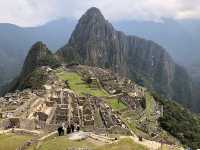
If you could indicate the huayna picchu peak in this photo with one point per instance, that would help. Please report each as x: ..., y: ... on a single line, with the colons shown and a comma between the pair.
x: 94, y: 11
x: 102, y: 90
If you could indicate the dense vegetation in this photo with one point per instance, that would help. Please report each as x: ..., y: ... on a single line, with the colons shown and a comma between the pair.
x: 180, y: 122
x: 49, y: 60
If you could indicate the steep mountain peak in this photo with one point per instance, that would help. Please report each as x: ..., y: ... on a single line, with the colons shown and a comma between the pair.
x: 93, y: 11
x: 38, y: 55
x: 91, y: 25
x: 39, y: 46
x: 93, y: 16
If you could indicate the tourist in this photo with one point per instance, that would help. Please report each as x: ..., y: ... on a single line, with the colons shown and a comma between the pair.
x: 140, y: 138
x: 68, y: 129
x: 72, y: 127
x: 77, y: 128
x: 60, y: 131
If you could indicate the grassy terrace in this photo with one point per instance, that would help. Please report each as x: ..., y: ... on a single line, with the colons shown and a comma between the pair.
x: 81, y: 88
x: 62, y: 143
x: 149, y: 104
x: 12, y: 141
x: 78, y: 85
x: 129, y: 117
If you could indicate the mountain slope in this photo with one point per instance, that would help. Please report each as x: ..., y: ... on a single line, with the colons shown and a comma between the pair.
x: 95, y: 42
x: 179, y: 37
x: 180, y: 122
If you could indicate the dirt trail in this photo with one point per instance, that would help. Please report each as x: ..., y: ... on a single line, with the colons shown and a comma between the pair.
x: 47, y: 136
x: 152, y: 145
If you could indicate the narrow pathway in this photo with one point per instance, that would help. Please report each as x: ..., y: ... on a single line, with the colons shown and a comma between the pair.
x: 152, y: 145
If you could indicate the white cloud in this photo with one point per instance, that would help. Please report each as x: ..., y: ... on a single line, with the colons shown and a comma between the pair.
x: 35, y: 12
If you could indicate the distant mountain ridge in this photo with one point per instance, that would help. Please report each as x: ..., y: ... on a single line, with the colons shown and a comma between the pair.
x: 95, y: 42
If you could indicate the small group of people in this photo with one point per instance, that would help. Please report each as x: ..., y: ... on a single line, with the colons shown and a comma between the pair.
x: 140, y: 138
x: 70, y: 129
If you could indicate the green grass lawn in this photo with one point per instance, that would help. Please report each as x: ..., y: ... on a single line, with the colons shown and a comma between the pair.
x: 130, y: 117
x: 80, y: 87
x: 12, y: 141
x: 149, y: 104
x: 115, y: 104
x: 62, y: 143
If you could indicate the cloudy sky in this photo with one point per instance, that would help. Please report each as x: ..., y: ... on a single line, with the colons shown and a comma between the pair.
x: 37, y: 12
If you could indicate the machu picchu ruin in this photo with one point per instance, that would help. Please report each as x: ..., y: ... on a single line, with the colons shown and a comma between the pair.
x: 54, y: 104
x: 89, y: 99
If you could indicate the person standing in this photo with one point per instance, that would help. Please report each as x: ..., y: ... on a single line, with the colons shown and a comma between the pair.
x: 68, y: 129
x: 77, y: 128
x: 72, y: 127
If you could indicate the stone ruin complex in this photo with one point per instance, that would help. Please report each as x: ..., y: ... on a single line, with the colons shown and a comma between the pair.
x: 57, y: 105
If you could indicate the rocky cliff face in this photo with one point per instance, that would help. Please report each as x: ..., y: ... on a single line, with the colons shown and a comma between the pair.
x: 95, y: 42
